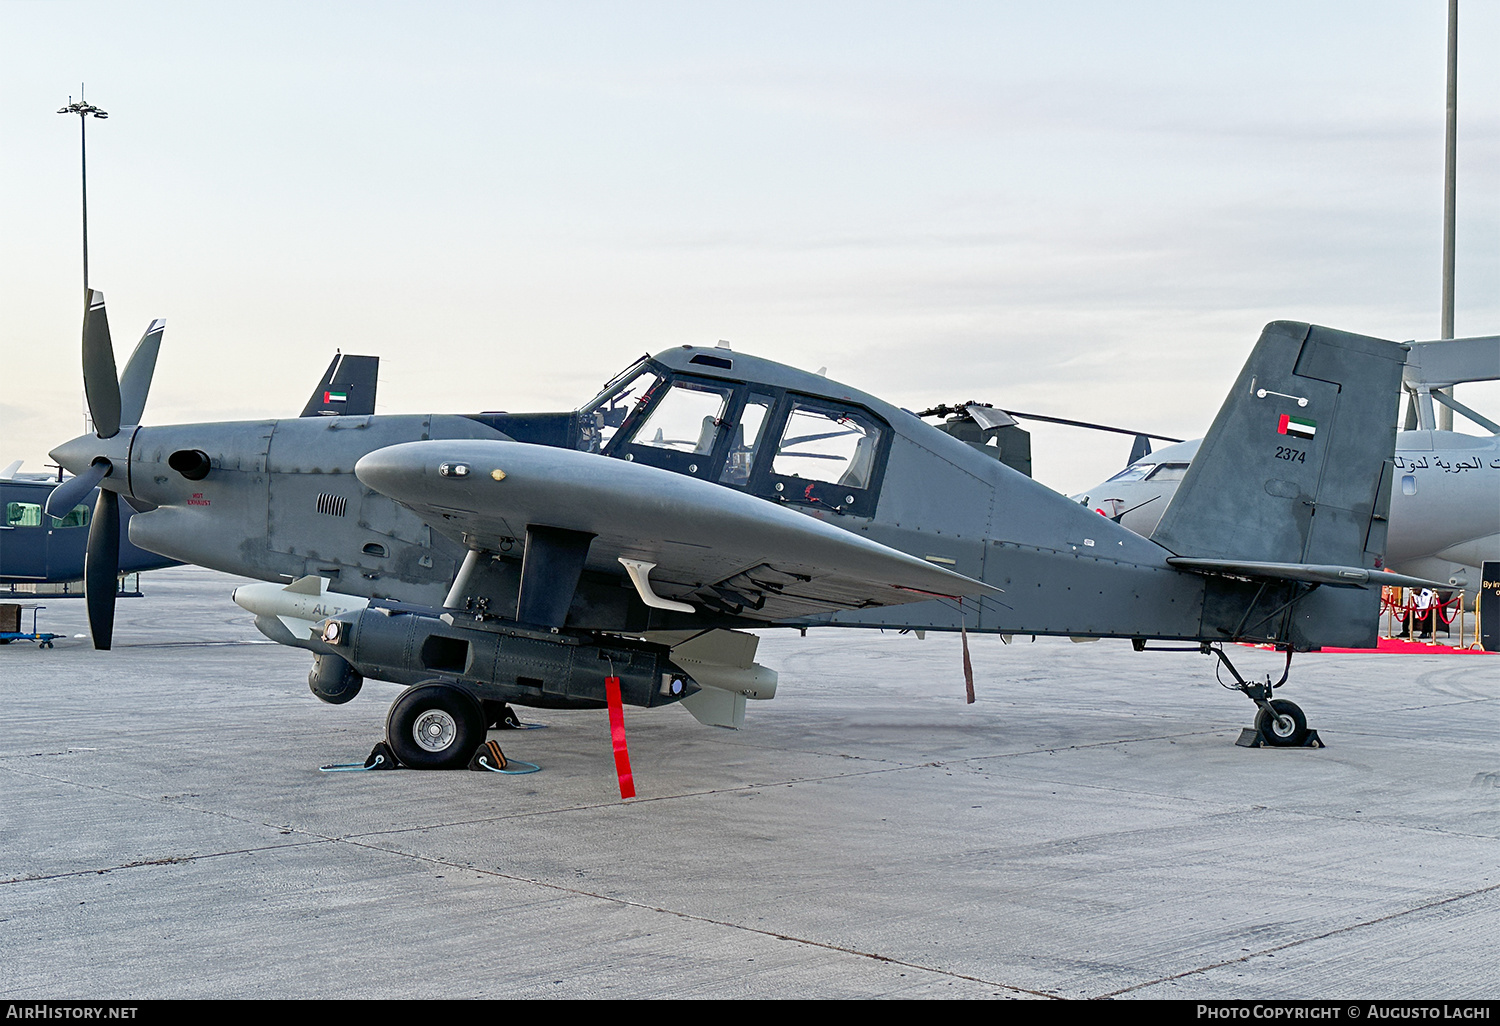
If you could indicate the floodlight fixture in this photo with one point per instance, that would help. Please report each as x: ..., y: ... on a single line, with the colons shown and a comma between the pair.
x: 84, y: 110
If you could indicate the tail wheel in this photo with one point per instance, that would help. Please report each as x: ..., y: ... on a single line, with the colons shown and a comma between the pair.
x: 435, y: 726
x: 1286, y: 729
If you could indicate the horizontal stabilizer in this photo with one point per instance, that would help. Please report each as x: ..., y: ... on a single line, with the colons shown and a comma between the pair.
x: 1308, y: 573
x: 1452, y: 361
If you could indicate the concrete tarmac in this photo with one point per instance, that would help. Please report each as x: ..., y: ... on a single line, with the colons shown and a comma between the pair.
x: 1087, y: 829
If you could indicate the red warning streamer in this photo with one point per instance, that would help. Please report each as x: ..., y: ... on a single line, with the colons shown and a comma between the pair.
x: 617, y: 732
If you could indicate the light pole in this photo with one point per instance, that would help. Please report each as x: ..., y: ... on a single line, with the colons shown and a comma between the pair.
x: 1450, y: 163
x: 84, y: 111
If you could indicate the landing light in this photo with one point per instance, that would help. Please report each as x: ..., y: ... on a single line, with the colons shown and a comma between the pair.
x: 454, y: 470
x: 332, y: 632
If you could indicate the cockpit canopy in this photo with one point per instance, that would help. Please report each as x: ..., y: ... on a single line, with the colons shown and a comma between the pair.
x: 773, y: 441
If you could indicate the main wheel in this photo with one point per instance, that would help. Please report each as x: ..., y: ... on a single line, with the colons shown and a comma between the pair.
x: 1287, y: 729
x: 435, y: 726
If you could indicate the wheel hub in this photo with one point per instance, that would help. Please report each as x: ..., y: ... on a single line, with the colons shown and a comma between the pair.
x: 434, y: 730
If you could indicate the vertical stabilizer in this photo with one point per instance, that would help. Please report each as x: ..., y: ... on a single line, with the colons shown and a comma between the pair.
x: 347, y: 388
x: 1295, y: 467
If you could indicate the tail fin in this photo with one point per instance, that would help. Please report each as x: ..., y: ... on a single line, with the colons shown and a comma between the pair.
x: 1296, y: 471
x: 347, y: 388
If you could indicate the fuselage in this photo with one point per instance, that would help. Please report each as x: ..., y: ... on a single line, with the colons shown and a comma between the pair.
x: 279, y: 500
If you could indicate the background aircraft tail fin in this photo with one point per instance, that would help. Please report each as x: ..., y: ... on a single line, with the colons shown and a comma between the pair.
x: 1296, y: 468
x: 347, y: 388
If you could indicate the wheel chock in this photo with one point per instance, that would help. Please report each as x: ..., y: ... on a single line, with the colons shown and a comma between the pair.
x: 380, y: 758
x: 1250, y: 737
x: 489, y: 758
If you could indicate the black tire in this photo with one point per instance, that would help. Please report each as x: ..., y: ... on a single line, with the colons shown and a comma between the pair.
x: 435, y: 726
x: 1287, y: 729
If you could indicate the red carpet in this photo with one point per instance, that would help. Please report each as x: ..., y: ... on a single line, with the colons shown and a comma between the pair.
x: 1404, y: 647
x: 1398, y: 646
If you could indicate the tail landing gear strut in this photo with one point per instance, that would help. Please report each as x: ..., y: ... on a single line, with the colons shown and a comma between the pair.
x: 1278, y: 723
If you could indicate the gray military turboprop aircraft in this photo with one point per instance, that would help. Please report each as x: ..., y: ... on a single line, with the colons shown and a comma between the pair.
x: 1445, y: 505
x: 547, y: 559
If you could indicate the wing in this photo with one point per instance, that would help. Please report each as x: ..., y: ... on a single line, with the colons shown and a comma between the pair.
x: 711, y: 546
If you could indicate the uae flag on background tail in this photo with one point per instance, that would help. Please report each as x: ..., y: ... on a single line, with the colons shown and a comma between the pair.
x: 1297, y: 427
x: 343, y: 397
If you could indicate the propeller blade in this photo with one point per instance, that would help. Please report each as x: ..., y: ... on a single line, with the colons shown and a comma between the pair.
x: 135, y: 382
x: 75, y: 489
x: 101, y: 568
x: 100, y: 383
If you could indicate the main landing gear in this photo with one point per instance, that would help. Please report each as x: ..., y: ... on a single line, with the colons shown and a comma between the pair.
x: 435, y: 726
x: 438, y: 725
x: 1278, y: 722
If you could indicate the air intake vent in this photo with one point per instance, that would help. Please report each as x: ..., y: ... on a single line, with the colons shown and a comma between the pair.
x: 712, y: 361
x: 333, y: 505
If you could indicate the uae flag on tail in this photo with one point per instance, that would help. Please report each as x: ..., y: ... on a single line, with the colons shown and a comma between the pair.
x: 343, y: 397
x: 1297, y: 427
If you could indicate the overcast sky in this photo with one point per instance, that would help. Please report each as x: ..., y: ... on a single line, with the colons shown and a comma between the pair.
x: 1086, y: 209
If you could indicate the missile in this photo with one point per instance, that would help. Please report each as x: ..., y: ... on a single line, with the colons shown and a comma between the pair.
x: 299, y: 607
